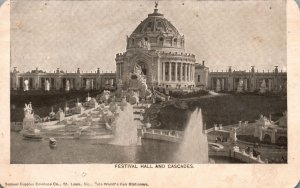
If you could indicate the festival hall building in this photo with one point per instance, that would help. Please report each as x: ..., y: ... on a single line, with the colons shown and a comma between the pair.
x: 158, y: 48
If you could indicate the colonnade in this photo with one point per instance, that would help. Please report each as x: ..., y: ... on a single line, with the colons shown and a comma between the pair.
x: 220, y: 84
x: 119, y: 71
x: 35, y: 83
x: 238, y: 84
x: 177, y: 71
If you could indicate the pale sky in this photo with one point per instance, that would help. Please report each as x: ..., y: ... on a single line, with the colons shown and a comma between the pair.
x: 88, y: 34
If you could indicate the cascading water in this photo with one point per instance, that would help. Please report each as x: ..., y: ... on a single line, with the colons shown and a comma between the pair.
x: 125, y: 128
x: 194, y: 146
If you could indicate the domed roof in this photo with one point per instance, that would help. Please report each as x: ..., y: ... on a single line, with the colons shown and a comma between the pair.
x: 156, y: 23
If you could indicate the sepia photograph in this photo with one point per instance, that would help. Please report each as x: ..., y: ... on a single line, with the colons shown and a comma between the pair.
x: 148, y: 82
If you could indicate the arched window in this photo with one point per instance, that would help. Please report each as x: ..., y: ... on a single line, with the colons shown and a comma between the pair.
x: 175, y: 42
x: 161, y: 41
x: 132, y: 42
x: 146, y: 39
x: 158, y: 26
x: 149, y: 26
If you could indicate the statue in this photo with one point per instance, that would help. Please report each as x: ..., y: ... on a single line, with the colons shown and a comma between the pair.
x: 137, y: 70
x: 67, y: 85
x: 233, y: 134
x: 144, y: 44
x: 147, y: 45
x: 29, y: 119
x: 218, y: 87
x: 47, y: 86
x: 240, y: 86
x: 26, y: 88
x: 133, y: 97
x: 156, y: 4
x: 263, y: 87
x: 87, y: 86
x: 52, y: 114
x: 120, y: 82
x: 28, y: 110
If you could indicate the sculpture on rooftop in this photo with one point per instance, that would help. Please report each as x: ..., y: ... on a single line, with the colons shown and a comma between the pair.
x: 26, y: 83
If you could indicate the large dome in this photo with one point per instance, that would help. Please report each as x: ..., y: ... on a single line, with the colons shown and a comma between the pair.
x: 156, y: 23
x: 156, y: 33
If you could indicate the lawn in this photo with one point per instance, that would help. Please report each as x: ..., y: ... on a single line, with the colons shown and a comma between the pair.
x: 226, y: 110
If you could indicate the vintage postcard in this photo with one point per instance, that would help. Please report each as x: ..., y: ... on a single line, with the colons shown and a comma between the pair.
x: 98, y: 90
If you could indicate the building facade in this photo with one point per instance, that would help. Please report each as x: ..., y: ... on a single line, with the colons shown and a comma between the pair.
x: 201, y: 75
x: 158, y: 49
x: 250, y: 81
x: 58, y: 80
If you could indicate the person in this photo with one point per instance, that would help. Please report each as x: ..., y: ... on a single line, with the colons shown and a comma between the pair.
x: 248, y: 150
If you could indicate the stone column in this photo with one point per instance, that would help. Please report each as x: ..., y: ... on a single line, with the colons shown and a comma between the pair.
x: 191, y: 70
x: 176, y: 72
x: 193, y: 75
x: 270, y: 84
x: 246, y: 84
x: 188, y: 72
x: 194, y: 72
x: 223, y: 84
x: 119, y: 71
x: 180, y: 76
x: 170, y: 69
x: 163, y: 71
x: 185, y: 74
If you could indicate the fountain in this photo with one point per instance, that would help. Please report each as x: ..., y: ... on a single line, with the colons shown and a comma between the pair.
x: 194, y: 147
x: 124, y: 128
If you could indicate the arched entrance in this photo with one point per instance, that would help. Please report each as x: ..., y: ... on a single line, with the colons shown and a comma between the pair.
x: 143, y: 63
x: 267, y: 138
x: 143, y: 66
